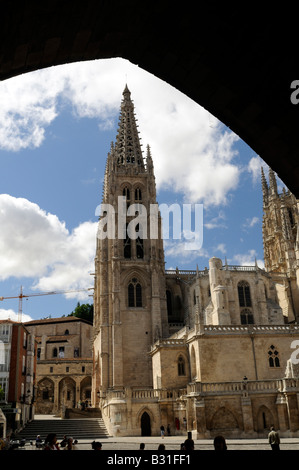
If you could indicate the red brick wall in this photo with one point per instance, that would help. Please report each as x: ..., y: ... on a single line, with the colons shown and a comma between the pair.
x: 16, y: 377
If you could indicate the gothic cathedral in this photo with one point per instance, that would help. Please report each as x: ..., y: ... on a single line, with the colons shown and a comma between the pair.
x: 204, y: 351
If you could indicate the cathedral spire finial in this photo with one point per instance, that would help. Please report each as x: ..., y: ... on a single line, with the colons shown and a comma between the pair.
x: 127, y: 149
x: 127, y: 93
x: 264, y: 186
x: 272, y: 182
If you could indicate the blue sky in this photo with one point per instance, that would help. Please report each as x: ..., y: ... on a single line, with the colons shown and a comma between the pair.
x: 56, y: 126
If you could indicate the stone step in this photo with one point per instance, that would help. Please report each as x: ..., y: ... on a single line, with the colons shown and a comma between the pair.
x: 77, y: 428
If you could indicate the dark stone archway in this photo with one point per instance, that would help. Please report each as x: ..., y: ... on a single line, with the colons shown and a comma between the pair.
x: 238, y: 63
x: 145, y: 424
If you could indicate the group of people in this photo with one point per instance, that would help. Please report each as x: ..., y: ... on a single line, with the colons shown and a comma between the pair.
x: 68, y: 443
x: 51, y: 443
x: 188, y: 445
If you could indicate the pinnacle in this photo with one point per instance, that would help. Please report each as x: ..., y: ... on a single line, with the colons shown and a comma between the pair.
x: 126, y: 90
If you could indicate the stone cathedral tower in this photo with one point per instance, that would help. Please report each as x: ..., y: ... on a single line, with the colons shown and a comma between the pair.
x: 281, y: 243
x: 130, y: 310
x: 206, y: 351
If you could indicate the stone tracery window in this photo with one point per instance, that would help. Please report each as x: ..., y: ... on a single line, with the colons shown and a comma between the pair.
x: 139, y: 245
x: 246, y: 317
x: 134, y: 293
x: 181, y: 366
x: 273, y: 357
x: 244, y: 294
x: 127, y: 244
x: 138, y: 194
x: 126, y: 193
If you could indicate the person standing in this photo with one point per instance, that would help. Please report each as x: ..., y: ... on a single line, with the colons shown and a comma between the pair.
x: 220, y: 443
x: 189, y: 443
x: 274, y: 439
x: 162, y: 429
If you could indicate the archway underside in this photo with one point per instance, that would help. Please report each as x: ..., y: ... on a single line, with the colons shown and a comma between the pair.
x: 237, y: 64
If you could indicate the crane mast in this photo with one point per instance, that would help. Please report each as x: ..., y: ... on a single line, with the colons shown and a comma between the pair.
x: 21, y: 296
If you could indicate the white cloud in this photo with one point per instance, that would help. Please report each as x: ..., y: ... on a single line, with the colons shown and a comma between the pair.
x: 221, y: 247
x: 216, y: 222
x: 247, y: 259
x: 36, y: 244
x: 190, y: 155
x: 254, y: 167
x: 251, y: 222
x: 13, y: 316
x: 180, y: 250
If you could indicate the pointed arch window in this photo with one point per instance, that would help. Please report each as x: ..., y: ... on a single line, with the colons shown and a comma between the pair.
x: 134, y: 293
x: 138, y: 194
x: 181, y: 366
x: 273, y: 357
x: 244, y: 294
x: 291, y: 217
x: 127, y: 245
x: 126, y: 193
x: 139, y: 244
x: 246, y: 317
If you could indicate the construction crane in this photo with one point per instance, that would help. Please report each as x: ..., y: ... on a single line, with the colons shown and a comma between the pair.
x: 22, y: 296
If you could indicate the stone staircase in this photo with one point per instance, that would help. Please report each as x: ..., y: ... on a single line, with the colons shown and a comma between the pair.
x: 86, y: 428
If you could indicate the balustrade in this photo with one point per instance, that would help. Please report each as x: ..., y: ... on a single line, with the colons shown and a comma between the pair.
x: 206, y: 389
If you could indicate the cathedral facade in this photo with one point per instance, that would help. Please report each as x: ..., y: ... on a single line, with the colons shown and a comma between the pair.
x: 208, y: 351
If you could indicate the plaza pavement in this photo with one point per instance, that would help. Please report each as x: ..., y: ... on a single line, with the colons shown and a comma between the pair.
x: 174, y: 443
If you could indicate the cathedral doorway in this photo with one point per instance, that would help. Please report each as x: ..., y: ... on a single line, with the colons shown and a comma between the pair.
x: 145, y: 424
x: 264, y: 420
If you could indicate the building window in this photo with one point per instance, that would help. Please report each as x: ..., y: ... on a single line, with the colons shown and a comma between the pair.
x: 67, y: 369
x: 127, y: 245
x: 139, y: 244
x: 246, y: 317
x: 76, y: 352
x: 138, y: 194
x: 126, y: 193
x: 38, y: 351
x: 51, y: 369
x: 244, y: 294
x: 181, y: 366
x: 66, y: 332
x: 23, y: 365
x: 61, y: 352
x: 273, y: 357
x: 134, y: 293
x: 54, y: 352
x: 291, y: 217
x: 83, y: 368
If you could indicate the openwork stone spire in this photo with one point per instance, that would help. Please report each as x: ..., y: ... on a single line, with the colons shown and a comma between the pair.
x: 127, y: 149
x: 264, y: 187
x: 272, y: 183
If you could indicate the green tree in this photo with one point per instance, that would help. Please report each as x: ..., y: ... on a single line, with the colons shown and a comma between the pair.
x: 84, y: 311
